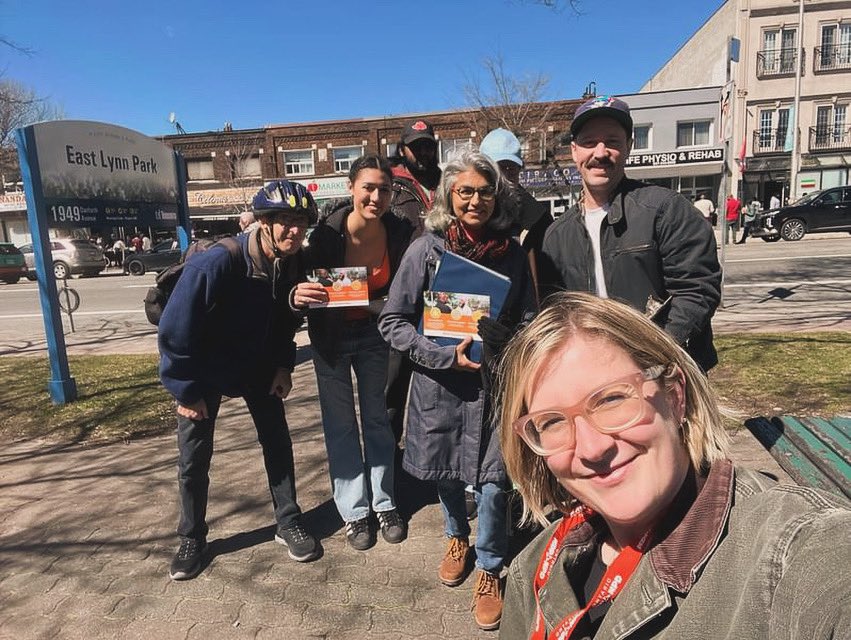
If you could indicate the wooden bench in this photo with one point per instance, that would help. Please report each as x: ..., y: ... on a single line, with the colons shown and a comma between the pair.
x: 816, y: 452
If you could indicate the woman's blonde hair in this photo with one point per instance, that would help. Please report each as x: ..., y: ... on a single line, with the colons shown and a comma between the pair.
x: 565, y: 316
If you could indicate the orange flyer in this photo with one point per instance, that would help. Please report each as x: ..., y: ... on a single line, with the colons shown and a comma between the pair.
x: 346, y: 286
x: 453, y: 315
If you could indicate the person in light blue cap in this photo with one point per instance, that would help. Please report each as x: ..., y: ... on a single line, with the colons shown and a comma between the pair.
x: 503, y: 147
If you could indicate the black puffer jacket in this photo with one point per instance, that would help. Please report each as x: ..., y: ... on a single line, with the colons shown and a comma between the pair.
x: 327, y: 249
x: 659, y: 256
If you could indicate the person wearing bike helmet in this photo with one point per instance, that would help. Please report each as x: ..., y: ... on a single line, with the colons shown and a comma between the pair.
x: 228, y: 330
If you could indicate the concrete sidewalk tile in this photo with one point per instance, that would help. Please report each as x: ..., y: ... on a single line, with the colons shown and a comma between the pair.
x: 91, y: 628
x: 202, y: 586
x: 286, y: 617
x: 141, y: 584
x: 337, y: 592
x: 203, y: 631
x: 329, y: 619
x: 381, y: 597
x: 356, y: 574
x: 207, y: 610
x: 159, y: 629
x: 28, y: 583
x: 87, y: 605
x: 147, y: 607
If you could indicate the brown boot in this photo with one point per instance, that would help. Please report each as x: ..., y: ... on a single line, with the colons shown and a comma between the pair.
x: 487, y: 600
x: 455, y: 564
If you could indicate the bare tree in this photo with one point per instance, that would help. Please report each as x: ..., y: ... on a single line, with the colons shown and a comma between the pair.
x: 510, y: 102
x: 245, y: 172
x: 19, y: 106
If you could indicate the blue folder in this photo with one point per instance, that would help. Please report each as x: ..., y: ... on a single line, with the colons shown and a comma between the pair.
x: 457, y: 274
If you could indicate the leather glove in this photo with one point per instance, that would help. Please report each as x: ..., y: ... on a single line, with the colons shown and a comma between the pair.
x: 495, y: 335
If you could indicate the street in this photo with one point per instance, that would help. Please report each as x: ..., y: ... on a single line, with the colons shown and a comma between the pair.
x: 780, y: 286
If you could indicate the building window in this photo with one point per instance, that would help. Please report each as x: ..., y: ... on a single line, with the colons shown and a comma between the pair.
x: 344, y: 157
x: 453, y: 147
x: 835, y: 50
x: 773, y: 130
x: 641, y: 137
x: 298, y: 163
x: 390, y: 149
x: 831, y: 130
x: 779, y: 52
x: 244, y: 167
x: 693, y: 134
x: 200, y: 169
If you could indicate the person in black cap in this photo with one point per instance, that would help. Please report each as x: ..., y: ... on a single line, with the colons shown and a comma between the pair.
x: 416, y: 175
x: 636, y: 242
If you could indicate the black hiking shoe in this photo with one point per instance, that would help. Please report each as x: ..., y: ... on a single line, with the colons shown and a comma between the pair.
x: 189, y: 559
x: 301, y: 546
x: 393, y: 528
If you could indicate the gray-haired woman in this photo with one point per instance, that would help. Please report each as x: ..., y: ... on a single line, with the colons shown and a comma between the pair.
x: 450, y: 437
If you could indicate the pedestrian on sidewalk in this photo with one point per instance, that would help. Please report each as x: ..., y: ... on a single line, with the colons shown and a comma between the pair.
x: 706, y: 208
x: 450, y: 437
x: 228, y: 330
x: 360, y: 233
x: 750, y: 214
x: 733, y: 212
x: 607, y: 420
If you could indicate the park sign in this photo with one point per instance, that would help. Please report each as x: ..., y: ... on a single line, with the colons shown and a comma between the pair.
x: 92, y: 174
x: 95, y: 174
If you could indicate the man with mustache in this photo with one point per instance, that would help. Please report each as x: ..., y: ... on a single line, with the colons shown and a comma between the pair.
x: 640, y: 243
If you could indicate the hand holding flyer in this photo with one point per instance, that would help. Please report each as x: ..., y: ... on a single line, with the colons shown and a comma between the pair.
x: 453, y: 315
x: 346, y: 286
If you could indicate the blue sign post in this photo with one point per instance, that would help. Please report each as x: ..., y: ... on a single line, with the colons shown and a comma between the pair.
x: 61, y: 386
x: 81, y: 174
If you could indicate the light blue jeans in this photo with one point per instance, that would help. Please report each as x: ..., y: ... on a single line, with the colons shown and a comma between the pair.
x: 357, y: 475
x: 492, y: 532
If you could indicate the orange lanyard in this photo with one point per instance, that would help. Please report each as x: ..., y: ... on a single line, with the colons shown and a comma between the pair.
x: 613, y: 581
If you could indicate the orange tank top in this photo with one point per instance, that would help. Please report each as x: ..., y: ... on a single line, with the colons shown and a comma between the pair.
x: 376, y: 279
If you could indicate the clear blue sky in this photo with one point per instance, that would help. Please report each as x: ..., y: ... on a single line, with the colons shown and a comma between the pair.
x: 255, y: 63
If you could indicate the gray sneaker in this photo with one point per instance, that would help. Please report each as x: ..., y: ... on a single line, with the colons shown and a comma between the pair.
x: 393, y: 528
x: 301, y: 546
x: 359, y: 534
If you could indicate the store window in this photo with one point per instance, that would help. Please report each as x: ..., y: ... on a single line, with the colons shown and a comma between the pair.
x: 200, y: 169
x: 452, y: 148
x: 641, y: 137
x: 693, y: 134
x: 299, y: 163
x: 344, y: 157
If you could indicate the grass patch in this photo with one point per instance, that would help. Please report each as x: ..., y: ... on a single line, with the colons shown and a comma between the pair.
x: 120, y: 397
x: 803, y: 374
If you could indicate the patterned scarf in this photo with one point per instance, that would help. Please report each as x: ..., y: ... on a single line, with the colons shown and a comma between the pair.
x: 493, y: 244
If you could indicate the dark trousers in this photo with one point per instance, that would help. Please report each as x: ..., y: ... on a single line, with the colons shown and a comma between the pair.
x: 396, y: 393
x: 195, y: 450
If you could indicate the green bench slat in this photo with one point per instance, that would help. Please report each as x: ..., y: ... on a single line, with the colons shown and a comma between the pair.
x: 809, y: 441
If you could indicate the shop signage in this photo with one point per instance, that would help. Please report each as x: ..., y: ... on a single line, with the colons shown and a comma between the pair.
x: 542, y: 178
x: 670, y: 158
x: 15, y: 201
x: 323, y: 188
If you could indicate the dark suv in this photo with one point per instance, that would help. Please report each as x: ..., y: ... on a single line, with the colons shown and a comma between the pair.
x: 12, y: 265
x: 818, y: 212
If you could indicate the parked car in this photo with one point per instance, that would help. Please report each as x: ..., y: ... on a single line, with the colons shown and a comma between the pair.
x: 12, y: 264
x: 71, y: 256
x: 817, y: 212
x: 159, y: 258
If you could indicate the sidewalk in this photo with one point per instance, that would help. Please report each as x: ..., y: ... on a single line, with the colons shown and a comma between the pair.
x: 88, y: 534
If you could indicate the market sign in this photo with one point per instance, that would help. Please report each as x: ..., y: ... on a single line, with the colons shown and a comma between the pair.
x: 98, y: 174
x: 670, y: 158
x: 322, y: 188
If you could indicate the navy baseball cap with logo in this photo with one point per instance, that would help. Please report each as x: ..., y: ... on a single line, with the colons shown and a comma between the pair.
x: 418, y: 130
x: 608, y: 106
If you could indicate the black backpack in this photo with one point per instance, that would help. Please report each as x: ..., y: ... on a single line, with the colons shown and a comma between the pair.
x: 158, y: 295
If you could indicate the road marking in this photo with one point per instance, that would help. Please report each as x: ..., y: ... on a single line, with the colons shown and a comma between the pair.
x: 786, y: 284
x: 76, y: 313
x: 18, y: 290
x: 838, y: 255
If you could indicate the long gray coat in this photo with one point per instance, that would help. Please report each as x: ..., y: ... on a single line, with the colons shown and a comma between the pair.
x: 450, y: 433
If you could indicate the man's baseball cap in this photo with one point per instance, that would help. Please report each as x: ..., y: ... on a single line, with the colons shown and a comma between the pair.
x: 602, y: 106
x: 418, y: 130
x: 501, y: 144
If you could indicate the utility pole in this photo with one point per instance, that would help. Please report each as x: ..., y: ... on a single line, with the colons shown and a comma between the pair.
x: 795, y: 159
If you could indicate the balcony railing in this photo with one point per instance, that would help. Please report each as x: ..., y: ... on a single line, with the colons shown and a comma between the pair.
x: 773, y: 141
x: 830, y: 138
x: 773, y: 63
x: 833, y: 58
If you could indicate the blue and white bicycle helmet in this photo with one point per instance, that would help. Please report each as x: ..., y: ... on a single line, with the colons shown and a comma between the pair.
x: 283, y: 195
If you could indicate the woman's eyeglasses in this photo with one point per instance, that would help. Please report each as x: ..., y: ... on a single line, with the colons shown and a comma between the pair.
x: 486, y: 193
x: 615, y: 407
